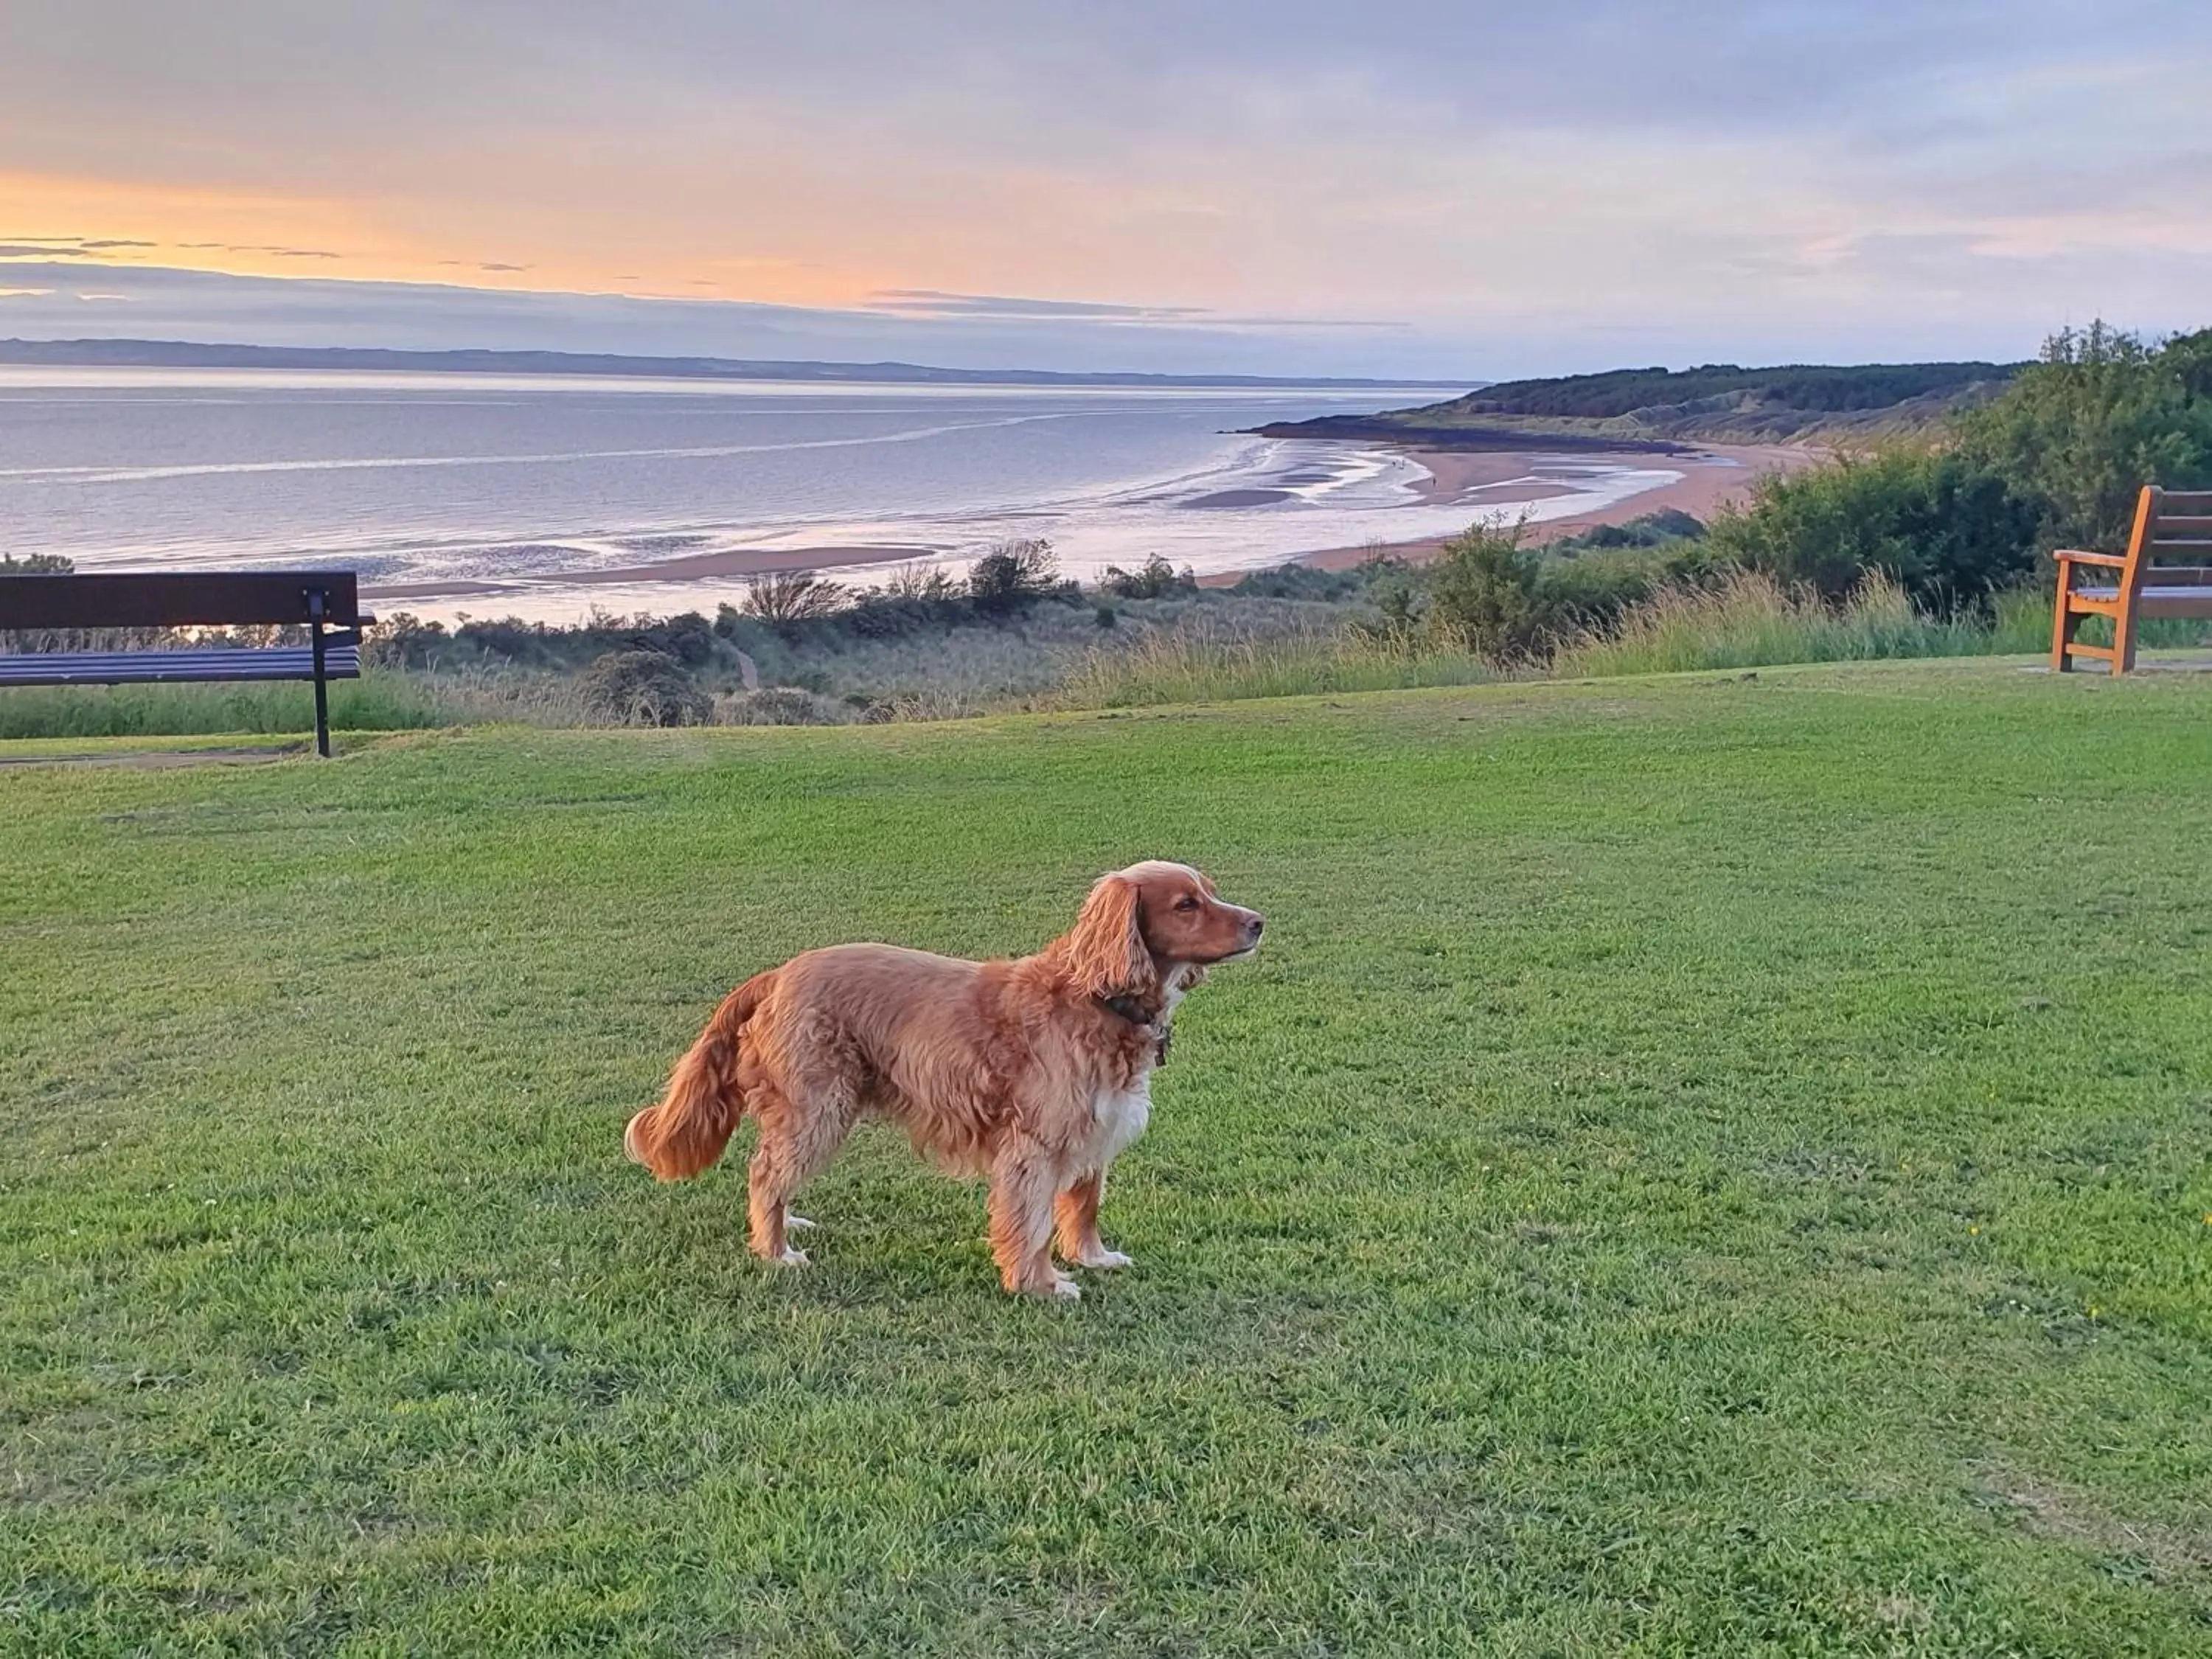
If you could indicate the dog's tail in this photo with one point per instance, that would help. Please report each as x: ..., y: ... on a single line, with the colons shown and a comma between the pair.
x: 686, y: 1132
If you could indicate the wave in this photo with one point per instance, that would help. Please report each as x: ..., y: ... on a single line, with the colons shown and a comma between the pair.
x: 103, y: 475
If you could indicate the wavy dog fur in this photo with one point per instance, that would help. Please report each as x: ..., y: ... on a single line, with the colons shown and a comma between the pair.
x: 1034, y: 1072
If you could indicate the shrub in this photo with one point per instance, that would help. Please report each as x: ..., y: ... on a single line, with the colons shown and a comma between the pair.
x: 1949, y: 531
x: 1649, y: 530
x: 926, y: 583
x: 784, y: 598
x: 687, y: 636
x: 1482, y: 596
x: 403, y: 640
x: 1158, y: 579
x: 1305, y: 581
x: 914, y: 597
x: 644, y: 687
x: 1579, y: 592
x: 36, y: 564
x: 1398, y: 598
x: 1012, y: 577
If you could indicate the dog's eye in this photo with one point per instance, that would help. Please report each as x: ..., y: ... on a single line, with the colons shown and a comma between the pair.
x: 1186, y: 902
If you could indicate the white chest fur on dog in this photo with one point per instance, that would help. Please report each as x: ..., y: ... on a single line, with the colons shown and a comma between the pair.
x: 1120, y: 1116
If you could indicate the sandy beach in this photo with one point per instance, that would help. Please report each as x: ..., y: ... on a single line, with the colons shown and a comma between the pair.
x: 1478, y: 481
x: 1714, y: 476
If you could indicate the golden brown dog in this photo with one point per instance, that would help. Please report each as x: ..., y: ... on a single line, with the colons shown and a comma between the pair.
x: 1034, y: 1072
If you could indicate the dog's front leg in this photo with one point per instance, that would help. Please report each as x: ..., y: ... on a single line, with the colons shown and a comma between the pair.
x: 1023, y: 1182
x: 1076, y: 1211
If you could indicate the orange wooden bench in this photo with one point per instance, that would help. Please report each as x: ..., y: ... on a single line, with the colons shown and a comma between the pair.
x: 2170, y: 523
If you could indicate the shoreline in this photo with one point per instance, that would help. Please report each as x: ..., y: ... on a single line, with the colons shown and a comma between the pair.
x: 1714, y: 476
x: 1480, y: 481
x: 731, y: 563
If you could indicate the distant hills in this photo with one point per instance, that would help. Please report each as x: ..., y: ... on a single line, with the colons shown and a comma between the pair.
x: 1663, y: 408
x: 183, y: 354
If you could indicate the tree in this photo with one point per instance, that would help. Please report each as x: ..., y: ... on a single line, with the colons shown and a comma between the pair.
x: 2102, y: 414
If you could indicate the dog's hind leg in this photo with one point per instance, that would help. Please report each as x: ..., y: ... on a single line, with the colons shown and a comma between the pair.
x: 794, y: 1144
x: 1076, y: 1211
x: 1023, y: 1182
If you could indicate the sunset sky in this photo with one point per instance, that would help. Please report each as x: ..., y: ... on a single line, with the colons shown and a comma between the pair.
x: 1432, y: 189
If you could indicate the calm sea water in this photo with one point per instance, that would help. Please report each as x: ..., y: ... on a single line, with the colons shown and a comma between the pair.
x: 531, y: 484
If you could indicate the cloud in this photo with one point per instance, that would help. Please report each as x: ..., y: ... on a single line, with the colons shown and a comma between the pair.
x: 214, y: 307
x: 81, y: 247
x: 929, y: 302
x: 276, y: 252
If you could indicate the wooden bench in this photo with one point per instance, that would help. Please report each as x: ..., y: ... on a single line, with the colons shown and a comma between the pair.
x: 2170, y: 523
x: 325, y: 602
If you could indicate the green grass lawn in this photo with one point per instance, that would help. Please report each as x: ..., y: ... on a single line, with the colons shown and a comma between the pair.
x: 1702, y: 1165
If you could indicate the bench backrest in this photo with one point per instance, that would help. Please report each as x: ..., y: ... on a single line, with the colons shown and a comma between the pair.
x: 2173, y: 528
x: 178, y: 599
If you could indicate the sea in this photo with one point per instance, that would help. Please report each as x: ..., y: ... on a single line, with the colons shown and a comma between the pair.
x: 551, y: 497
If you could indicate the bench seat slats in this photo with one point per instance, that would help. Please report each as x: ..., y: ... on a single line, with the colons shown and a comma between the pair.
x: 340, y: 662
x: 2145, y: 595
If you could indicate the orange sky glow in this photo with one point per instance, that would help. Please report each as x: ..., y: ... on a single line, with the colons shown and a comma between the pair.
x: 1476, y: 187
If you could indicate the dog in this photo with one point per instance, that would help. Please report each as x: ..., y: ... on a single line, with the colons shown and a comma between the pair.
x: 1034, y: 1072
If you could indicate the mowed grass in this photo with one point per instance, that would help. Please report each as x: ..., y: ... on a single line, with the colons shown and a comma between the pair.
x: 1703, y: 1166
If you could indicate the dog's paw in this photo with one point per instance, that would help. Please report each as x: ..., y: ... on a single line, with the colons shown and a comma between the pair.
x: 797, y: 1222
x: 1108, y: 1259
x: 792, y: 1258
x: 1065, y: 1290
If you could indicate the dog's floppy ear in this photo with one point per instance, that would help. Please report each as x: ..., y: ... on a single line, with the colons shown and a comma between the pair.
x: 1106, y: 947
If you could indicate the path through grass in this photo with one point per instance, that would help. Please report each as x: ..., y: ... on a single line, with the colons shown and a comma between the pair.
x: 1703, y: 1166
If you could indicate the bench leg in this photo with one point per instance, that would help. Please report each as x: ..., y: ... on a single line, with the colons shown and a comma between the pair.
x: 322, y: 695
x: 2124, y: 640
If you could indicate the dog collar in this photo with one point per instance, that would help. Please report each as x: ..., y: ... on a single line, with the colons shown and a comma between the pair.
x: 1138, y: 1015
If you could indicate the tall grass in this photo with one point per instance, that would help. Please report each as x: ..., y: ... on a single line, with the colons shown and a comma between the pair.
x: 377, y: 702
x: 1750, y: 619
x: 1201, y: 663
x: 1747, y: 620
x: 381, y: 700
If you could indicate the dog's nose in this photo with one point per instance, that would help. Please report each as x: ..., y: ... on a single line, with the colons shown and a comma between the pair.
x: 1253, y: 925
